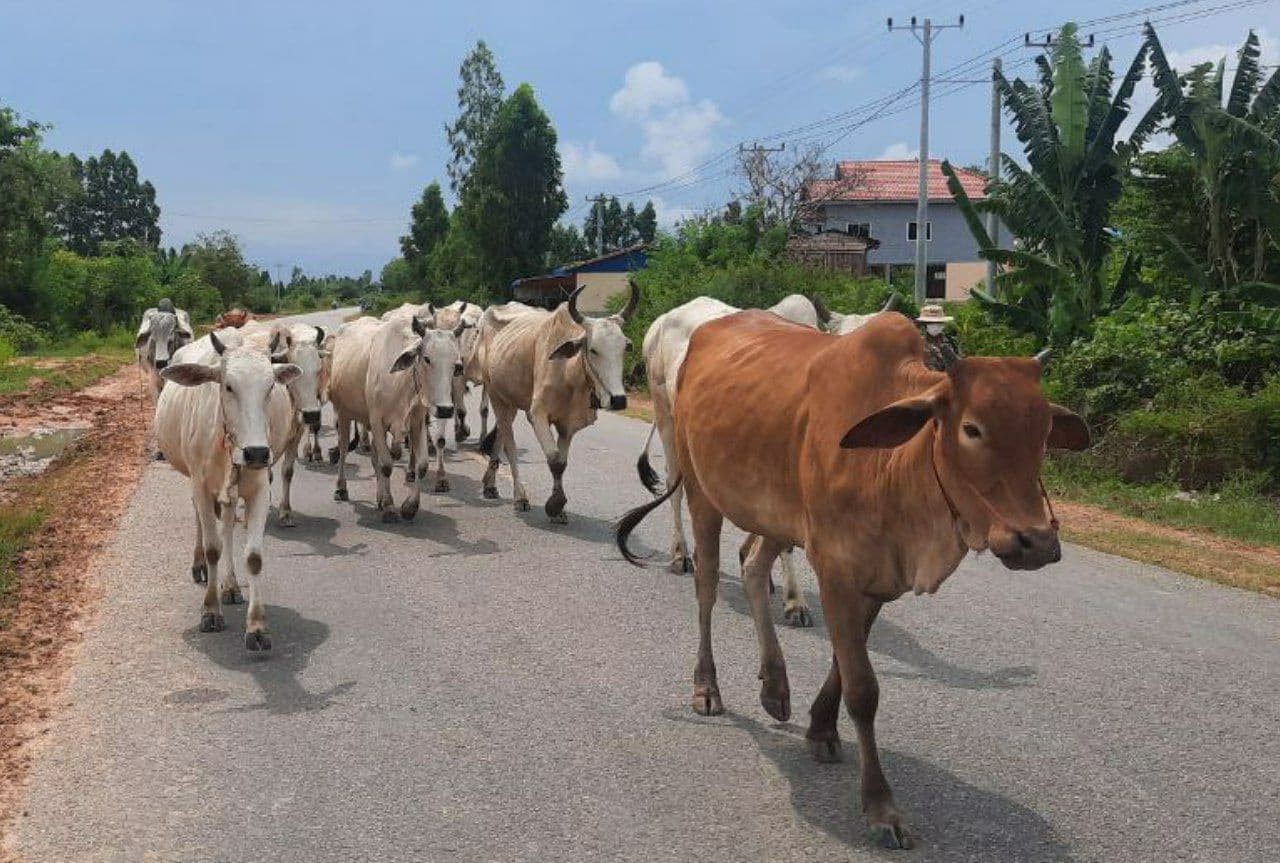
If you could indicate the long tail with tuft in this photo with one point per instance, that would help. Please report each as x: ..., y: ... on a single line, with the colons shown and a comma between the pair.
x: 648, y: 475
x: 632, y: 518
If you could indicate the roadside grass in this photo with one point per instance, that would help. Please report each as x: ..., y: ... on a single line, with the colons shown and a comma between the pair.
x: 71, y: 364
x: 17, y: 524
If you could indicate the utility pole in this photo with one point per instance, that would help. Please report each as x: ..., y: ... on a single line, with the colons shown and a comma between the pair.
x: 993, y: 171
x: 599, y: 199
x: 925, y: 34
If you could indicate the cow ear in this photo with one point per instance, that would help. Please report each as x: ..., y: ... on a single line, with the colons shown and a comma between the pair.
x: 191, y: 374
x: 567, y: 349
x: 141, y: 340
x: 319, y: 335
x: 405, y: 360
x: 419, y: 328
x: 891, y: 426
x: 286, y: 373
x: 1068, y: 430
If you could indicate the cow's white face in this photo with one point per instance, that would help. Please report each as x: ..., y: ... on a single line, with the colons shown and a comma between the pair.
x: 307, y: 390
x: 437, y: 360
x: 162, y: 339
x: 245, y: 379
x: 603, y: 347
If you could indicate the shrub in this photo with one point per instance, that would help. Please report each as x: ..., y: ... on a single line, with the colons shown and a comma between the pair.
x: 979, y: 336
x: 7, y: 351
x: 23, y: 336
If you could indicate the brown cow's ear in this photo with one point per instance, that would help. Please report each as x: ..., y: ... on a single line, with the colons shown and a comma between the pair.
x: 405, y: 360
x: 891, y: 426
x: 1068, y: 430
x: 191, y: 374
x: 567, y: 349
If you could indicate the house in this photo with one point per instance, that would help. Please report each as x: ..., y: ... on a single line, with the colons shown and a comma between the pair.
x: 877, y: 198
x: 603, y: 277
x: 832, y: 250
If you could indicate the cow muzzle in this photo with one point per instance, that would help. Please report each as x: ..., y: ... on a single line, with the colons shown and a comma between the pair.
x: 161, y: 364
x: 444, y: 412
x: 257, y: 456
x: 1027, y: 549
x: 617, y: 403
x: 311, y: 419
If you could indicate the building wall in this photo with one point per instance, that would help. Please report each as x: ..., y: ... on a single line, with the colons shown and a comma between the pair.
x: 951, y: 238
x: 599, y: 288
x: 963, y: 275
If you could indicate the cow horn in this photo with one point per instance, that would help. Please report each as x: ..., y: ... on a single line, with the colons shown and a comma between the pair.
x: 463, y: 310
x: 319, y: 335
x: 431, y: 309
x: 419, y: 328
x: 1043, y: 357
x: 824, y: 313
x: 632, y: 302
x: 891, y: 303
x: 462, y: 325
x: 275, y: 342
x: 218, y: 347
x: 573, y: 305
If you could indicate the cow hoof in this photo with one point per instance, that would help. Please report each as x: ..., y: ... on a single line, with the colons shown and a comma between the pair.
x: 798, y: 616
x: 333, y: 455
x: 555, y: 504
x: 159, y: 456
x: 341, y: 494
x: 390, y: 516
x: 891, y: 837
x: 776, y: 704
x: 826, y: 751
x: 431, y: 450
x: 461, y: 434
x: 490, y: 493
x: 257, y: 641
x: 210, y: 622
x: 286, y: 520
x: 558, y: 518
x: 442, y: 485
x: 396, y: 451
x: 681, y: 565
x: 408, y: 509
x: 706, y: 701
x: 200, y: 574
x: 519, y: 505
x: 232, y: 595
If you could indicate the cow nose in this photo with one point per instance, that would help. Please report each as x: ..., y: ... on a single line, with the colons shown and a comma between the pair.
x: 444, y: 412
x: 161, y: 363
x: 257, y: 456
x: 311, y: 418
x: 617, y: 403
x: 1033, y: 548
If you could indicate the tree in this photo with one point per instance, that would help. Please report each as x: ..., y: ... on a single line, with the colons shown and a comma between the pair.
x: 427, y: 229
x: 513, y: 194
x: 110, y: 204
x: 397, y: 277
x: 646, y: 223
x: 219, y: 262
x: 776, y: 181
x: 1059, y: 207
x: 480, y: 96
x: 567, y: 245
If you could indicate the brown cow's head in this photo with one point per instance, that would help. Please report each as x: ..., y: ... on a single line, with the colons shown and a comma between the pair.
x: 992, y: 426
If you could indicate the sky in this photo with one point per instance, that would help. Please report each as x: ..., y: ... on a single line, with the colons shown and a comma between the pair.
x: 309, y: 128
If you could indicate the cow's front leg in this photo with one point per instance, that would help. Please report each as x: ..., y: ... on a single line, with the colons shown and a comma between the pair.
x: 460, y: 430
x: 417, y: 440
x: 229, y: 588
x: 557, y: 453
x: 211, y: 619
x: 442, y: 481
x: 289, y: 459
x: 255, y: 619
x: 382, y: 462
x: 344, y: 446
x: 484, y: 412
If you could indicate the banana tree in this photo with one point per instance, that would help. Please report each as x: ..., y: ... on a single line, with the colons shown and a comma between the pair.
x: 1058, y: 207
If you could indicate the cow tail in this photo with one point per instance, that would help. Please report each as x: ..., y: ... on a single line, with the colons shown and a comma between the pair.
x: 632, y: 518
x: 648, y: 475
x: 486, y: 445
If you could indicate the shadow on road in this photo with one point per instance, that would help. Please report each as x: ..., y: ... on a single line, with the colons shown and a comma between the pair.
x: 293, y: 638
x: 949, y: 818
x: 427, y: 524
x: 316, y: 531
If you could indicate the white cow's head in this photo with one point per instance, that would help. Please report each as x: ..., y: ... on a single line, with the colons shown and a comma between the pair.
x: 434, y: 360
x: 308, y: 355
x: 245, y: 379
x: 161, y: 334
x: 604, y: 347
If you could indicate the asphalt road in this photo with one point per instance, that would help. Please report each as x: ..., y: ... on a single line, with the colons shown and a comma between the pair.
x: 484, y: 686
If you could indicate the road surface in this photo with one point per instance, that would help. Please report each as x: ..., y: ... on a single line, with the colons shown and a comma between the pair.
x: 482, y: 686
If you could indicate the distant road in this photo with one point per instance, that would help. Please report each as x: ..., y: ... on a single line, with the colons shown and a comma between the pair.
x: 482, y: 686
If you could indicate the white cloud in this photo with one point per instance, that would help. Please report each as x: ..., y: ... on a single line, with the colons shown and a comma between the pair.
x: 838, y: 74
x: 899, y: 151
x: 586, y: 164
x: 403, y: 161
x: 670, y: 215
x: 647, y: 87
x: 677, y: 131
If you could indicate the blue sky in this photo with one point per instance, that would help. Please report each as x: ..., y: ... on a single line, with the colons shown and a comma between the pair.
x: 309, y: 129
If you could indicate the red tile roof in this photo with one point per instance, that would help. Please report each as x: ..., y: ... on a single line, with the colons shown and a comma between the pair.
x: 883, y: 181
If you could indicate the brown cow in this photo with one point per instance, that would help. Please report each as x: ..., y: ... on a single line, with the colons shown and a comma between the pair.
x: 885, y: 472
x: 235, y: 318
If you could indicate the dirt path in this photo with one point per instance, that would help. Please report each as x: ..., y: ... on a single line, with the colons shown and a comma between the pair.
x: 82, y: 495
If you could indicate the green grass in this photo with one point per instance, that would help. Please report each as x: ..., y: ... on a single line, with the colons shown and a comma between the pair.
x: 16, y: 526
x: 89, y: 357
x: 1237, y: 509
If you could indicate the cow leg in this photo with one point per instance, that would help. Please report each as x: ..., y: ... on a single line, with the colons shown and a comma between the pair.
x: 707, y: 522
x: 411, y: 469
x: 255, y: 619
x: 382, y: 463
x: 823, y: 736
x: 289, y: 458
x: 229, y: 588
x: 366, y: 446
x: 850, y: 625
x: 794, y: 609
x: 211, y: 619
x: 417, y: 439
x: 199, y: 568
x: 518, y: 492
x: 681, y: 560
x: 557, y: 453
x: 442, y: 481
x: 484, y: 412
x: 775, y: 691
x: 344, y: 446
x: 460, y: 430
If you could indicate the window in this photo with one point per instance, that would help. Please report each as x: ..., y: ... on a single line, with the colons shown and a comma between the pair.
x: 858, y: 229
x: 912, y: 231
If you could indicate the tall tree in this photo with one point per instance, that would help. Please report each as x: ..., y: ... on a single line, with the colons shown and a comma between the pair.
x: 427, y: 229
x: 111, y: 204
x: 480, y: 95
x: 647, y: 223
x: 219, y: 262
x: 567, y: 245
x: 513, y: 194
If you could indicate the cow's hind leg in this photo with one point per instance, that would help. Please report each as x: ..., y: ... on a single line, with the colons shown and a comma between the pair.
x: 707, y: 522
x: 344, y: 446
x: 229, y: 588
x: 382, y: 464
x: 289, y: 459
x: 417, y: 439
x: 557, y: 453
x: 442, y: 480
x: 775, y: 692
x: 255, y: 619
x: 199, y: 568
x: 794, y: 609
x: 211, y: 619
x: 823, y: 736
x: 681, y: 560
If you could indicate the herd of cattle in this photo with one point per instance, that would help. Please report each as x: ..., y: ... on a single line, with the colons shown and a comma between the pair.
x: 801, y: 426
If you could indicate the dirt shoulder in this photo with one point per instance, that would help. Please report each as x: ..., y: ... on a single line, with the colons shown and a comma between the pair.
x: 79, y: 500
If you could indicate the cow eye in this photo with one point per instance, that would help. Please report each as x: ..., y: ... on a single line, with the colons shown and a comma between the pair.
x: 594, y: 352
x: 457, y: 370
x: 229, y: 389
x: 972, y: 431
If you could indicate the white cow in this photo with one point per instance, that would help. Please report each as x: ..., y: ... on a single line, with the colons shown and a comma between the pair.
x: 388, y: 375
x: 163, y: 331
x: 467, y: 314
x: 220, y: 425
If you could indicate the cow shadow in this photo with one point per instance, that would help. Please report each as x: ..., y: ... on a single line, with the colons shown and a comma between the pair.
x: 890, y: 640
x: 316, y: 531
x: 428, y: 524
x: 294, y: 638
x: 587, y: 528
x: 947, y: 817
x: 468, y: 492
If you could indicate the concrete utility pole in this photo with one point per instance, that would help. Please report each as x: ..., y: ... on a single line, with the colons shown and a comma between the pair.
x: 993, y: 171
x: 925, y: 34
x: 599, y: 199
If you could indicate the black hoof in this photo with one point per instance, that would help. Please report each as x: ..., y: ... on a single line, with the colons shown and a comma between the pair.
x: 777, y: 707
x: 431, y: 451
x: 210, y: 622
x: 232, y: 596
x: 333, y: 455
x: 519, y: 505
x: 341, y: 494
x: 491, y: 493
x: 555, y: 504
x: 680, y: 565
x: 409, y: 509
x: 159, y: 456
x: 826, y: 751
x: 390, y: 516
x: 410, y: 478
x: 798, y: 617
x: 891, y: 836
x: 257, y: 641
x: 200, y: 574
x: 461, y: 434
x: 706, y: 701
x: 442, y: 485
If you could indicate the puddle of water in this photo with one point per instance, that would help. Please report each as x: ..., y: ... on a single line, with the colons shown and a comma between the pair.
x: 39, y: 445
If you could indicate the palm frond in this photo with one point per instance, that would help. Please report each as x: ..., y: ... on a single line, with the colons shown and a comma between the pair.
x: 1069, y: 99
x: 1248, y: 73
